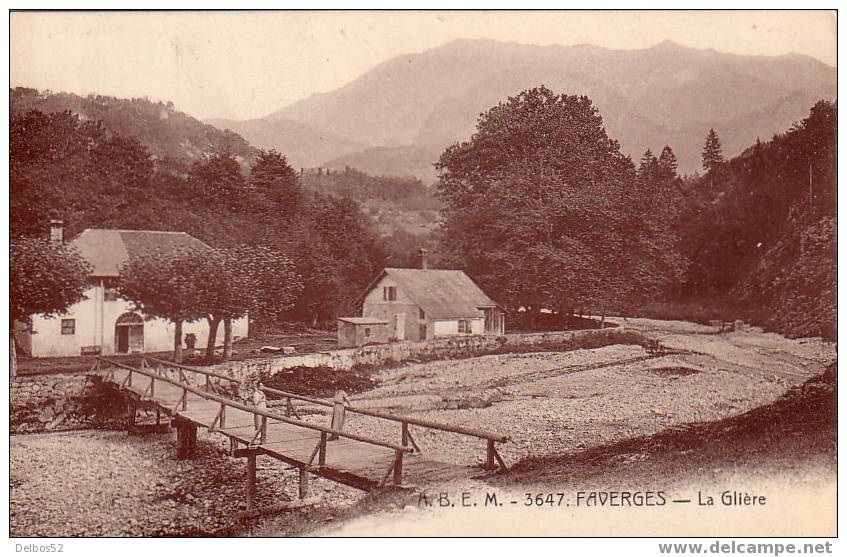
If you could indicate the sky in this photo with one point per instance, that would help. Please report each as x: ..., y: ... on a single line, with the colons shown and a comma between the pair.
x: 245, y: 65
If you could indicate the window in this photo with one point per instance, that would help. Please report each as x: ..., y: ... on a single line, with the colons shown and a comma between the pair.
x: 68, y: 326
x: 367, y: 332
x: 389, y: 293
x: 421, y: 314
x: 110, y: 294
x: 464, y: 326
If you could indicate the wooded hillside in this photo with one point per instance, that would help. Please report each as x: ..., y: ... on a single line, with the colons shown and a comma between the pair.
x: 540, y: 206
x: 761, y: 227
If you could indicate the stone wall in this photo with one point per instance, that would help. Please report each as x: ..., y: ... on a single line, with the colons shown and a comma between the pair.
x: 445, y: 347
x: 60, y: 402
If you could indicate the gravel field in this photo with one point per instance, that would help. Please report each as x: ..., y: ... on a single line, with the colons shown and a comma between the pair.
x: 554, y: 403
x: 105, y: 483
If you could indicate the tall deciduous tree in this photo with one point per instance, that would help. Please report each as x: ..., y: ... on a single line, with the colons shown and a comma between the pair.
x: 166, y: 285
x: 263, y: 281
x: 45, y: 278
x: 544, y: 210
x: 242, y: 280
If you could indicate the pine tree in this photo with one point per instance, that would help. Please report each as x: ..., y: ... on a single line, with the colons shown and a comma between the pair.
x: 647, y: 160
x: 668, y: 164
x: 712, y: 154
x: 648, y: 167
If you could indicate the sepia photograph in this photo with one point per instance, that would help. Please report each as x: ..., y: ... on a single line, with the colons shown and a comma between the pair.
x: 413, y: 273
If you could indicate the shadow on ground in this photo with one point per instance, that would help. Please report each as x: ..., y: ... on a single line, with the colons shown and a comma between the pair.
x: 798, y: 427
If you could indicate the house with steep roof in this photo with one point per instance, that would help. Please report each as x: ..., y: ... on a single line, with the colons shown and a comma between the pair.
x: 103, y: 323
x: 422, y: 304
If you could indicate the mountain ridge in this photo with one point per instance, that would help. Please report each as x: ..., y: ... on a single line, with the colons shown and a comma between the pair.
x: 648, y: 97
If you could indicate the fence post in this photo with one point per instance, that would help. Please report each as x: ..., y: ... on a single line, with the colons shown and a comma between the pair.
x: 405, y: 434
x: 304, y: 482
x: 398, y: 467
x: 322, y: 451
x: 186, y: 439
x: 130, y: 416
x: 251, y: 479
x: 490, y: 464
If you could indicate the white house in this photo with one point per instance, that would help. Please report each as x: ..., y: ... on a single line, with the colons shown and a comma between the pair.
x: 421, y: 304
x: 103, y: 323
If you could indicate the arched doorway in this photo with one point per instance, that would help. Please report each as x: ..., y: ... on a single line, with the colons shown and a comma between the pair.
x: 129, y: 333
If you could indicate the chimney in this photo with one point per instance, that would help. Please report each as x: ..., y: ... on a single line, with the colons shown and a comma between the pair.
x: 57, y: 232
x: 422, y: 254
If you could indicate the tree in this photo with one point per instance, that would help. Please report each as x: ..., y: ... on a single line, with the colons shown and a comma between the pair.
x: 336, y: 254
x: 648, y: 168
x: 263, y: 281
x: 46, y: 278
x: 242, y: 280
x: 729, y: 232
x: 271, y: 171
x: 712, y: 154
x: 668, y: 164
x: 276, y: 186
x: 218, y: 298
x: 539, y: 208
x: 218, y: 177
x: 165, y: 285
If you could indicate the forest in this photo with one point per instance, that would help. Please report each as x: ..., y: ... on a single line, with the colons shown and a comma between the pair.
x: 539, y: 206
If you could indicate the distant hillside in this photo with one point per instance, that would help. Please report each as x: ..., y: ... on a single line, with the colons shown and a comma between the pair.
x: 395, y: 204
x: 665, y: 94
x: 161, y: 128
x: 303, y: 145
x: 410, y: 160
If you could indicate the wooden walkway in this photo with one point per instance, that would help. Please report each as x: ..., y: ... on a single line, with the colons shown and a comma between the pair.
x: 193, y: 397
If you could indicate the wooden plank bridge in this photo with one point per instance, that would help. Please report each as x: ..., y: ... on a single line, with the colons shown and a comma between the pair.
x: 193, y: 397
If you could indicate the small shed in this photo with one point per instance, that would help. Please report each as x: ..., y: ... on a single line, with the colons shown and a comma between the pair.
x: 359, y: 331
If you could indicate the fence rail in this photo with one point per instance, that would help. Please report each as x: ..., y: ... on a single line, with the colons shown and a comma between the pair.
x: 226, y: 402
x: 396, y: 418
x: 493, y: 459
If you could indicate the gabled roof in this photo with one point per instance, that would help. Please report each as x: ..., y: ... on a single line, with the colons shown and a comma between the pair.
x: 442, y: 294
x: 107, y: 249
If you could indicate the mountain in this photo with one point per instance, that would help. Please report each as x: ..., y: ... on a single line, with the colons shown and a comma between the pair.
x: 166, y: 132
x: 665, y: 94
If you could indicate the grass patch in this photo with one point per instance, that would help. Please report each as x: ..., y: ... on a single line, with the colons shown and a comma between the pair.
x: 320, y: 382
